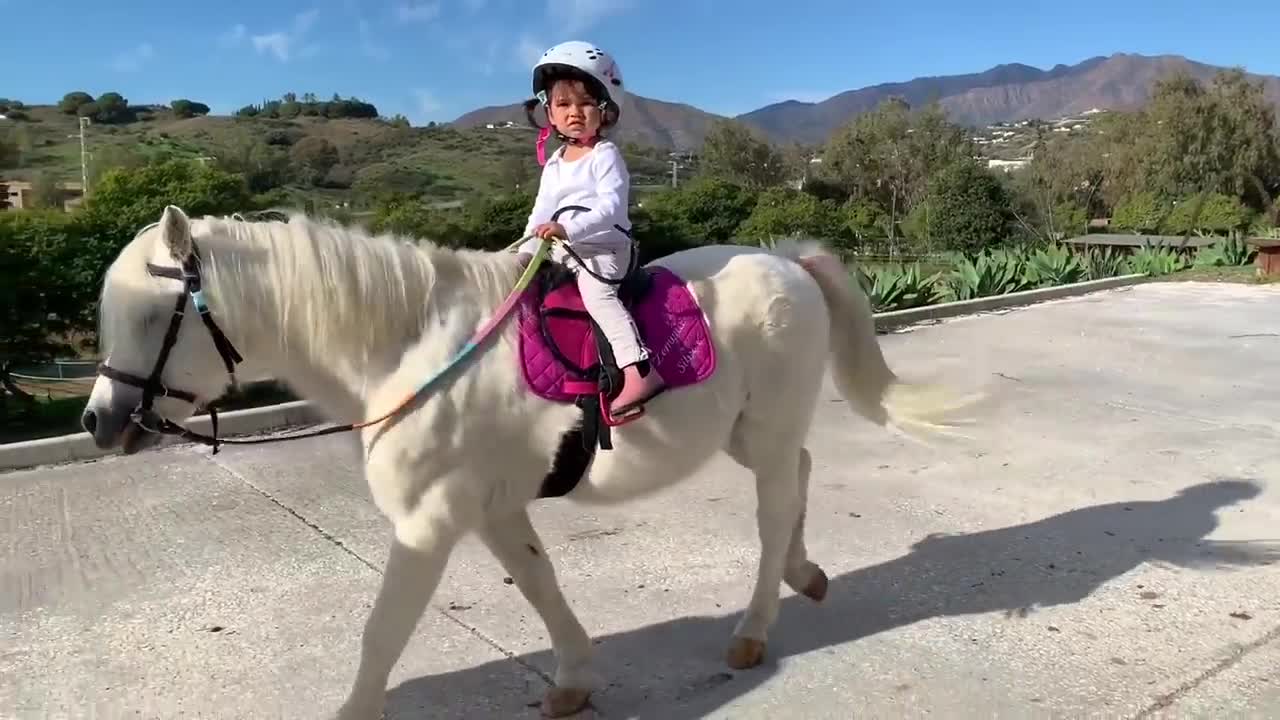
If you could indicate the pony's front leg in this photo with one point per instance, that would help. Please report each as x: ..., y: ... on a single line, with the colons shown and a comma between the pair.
x: 513, y: 541
x: 409, y: 581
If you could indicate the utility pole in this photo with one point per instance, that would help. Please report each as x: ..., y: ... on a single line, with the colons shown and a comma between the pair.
x: 84, y: 160
x: 674, y: 166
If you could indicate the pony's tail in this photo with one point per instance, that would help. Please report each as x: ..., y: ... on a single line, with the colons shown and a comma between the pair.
x: 862, y: 376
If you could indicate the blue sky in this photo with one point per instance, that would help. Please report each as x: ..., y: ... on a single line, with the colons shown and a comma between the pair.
x: 435, y: 59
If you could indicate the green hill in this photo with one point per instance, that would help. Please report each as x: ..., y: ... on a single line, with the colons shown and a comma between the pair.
x: 337, y: 161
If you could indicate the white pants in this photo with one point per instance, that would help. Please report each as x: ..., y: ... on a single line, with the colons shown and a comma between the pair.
x: 609, y: 260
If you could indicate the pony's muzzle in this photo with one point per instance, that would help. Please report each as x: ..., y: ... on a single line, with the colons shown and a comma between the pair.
x: 104, y: 424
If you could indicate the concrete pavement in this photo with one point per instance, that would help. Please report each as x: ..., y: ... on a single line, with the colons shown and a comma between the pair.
x: 1098, y: 548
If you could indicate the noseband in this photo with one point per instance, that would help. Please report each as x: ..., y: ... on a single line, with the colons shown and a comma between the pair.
x: 152, y: 387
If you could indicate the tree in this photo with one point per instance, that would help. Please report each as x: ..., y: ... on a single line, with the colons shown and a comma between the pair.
x: 71, y: 102
x: 188, y: 108
x: 41, y: 293
x: 494, y: 222
x: 517, y: 171
x: 10, y: 154
x: 862, y: 219
x: 315, y: 155
x: 734, y: 152
x: 968, y: 208
x: 45, y: 192
x: 1056, y: 194
x: 111, y: 108
x: 889, y: 154
x: 128, y: 199
x: 781, y: 211
x: 1208, y: 214
x: 703, y: 211
x: 409, y: 215
x: 1142, y: 212
x: 109, y: 157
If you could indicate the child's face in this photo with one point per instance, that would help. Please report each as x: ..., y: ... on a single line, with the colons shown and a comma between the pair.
x: 574, y: 112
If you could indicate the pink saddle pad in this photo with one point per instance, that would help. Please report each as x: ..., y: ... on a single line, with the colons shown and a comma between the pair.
x: 670, y: 321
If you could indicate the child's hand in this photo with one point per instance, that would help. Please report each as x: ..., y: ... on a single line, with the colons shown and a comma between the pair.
x: 551, y: 229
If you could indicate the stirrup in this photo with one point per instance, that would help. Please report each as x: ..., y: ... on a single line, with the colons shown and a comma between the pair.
x: 627, y: 413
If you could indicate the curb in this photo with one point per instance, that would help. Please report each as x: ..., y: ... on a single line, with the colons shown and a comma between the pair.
x: 896, y: 319
x: 79, y: 447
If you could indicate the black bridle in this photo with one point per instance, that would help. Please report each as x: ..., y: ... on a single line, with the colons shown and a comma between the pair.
x: 145, y: 416
x: 152, y: 387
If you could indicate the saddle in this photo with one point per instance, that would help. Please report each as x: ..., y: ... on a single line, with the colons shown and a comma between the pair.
x: 591, y: 377
x: 565, y: 356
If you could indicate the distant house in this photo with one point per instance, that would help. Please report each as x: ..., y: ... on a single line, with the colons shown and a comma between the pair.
x: 16, y: 194
x: 1008, y: 165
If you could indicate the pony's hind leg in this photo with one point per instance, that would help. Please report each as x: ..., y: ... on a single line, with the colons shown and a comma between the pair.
x: 802, y: 575
x: 782, y: 496
x: 514, y: 542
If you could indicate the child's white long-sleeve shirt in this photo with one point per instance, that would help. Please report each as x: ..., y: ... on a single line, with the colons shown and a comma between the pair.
x: 598, y: 180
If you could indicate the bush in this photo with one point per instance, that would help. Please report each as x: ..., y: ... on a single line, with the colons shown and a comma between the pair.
x: 781, y: 211
x: 1218, y: 214
x: 703, y: 212
x: 1142, y: 212
x: 128, y: 199
x: 968, y: 208
x: 49, y: 267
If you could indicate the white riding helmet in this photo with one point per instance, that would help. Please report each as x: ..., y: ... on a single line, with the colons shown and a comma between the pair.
x: 584, y: 58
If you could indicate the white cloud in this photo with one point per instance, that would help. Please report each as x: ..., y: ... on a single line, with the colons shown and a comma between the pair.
x: 413, y: 11
x: 527, y: 51
x: 425, y: 107
x: 426, y: 102
x: 133, y: 59
x: 233, y: 37
x: 572, y: 16
x: 369, y: 44
x: 284, y: 43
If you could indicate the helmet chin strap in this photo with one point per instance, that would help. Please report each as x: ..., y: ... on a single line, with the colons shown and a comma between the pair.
x: 545, y: 134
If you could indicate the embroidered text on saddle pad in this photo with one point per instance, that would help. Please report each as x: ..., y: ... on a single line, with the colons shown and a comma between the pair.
x: 668, y: 316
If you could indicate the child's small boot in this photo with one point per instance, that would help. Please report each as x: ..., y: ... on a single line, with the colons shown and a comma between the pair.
x: 641, y: 383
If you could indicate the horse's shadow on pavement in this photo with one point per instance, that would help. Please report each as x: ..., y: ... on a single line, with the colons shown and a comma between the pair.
x: 675, y: 670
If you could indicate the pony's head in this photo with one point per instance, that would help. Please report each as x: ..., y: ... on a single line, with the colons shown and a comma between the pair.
x: 164, y: 355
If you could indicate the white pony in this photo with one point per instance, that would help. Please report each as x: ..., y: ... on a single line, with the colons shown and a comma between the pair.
x: 353, y: 323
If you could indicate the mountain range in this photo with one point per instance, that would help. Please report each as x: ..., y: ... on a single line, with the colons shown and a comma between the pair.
x: 1004, y: 93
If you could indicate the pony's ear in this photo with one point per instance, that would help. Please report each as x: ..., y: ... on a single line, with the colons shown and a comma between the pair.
x: 175, y: 232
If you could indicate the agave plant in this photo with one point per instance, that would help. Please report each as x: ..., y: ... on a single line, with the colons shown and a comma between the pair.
x: 1229, y: 251
x: 1157, y: 260
x: 1054, y: 265
x: 895, y: 287
x: 992, y: 272
x: 1102, y: 263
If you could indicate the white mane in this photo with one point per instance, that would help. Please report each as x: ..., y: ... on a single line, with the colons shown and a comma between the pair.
x: 339, y: 290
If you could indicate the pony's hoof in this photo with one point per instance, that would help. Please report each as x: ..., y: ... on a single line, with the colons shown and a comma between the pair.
x: 816, y: 590
x: 745, y: 653
x: 810, y: 582
x: 561, y: 702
